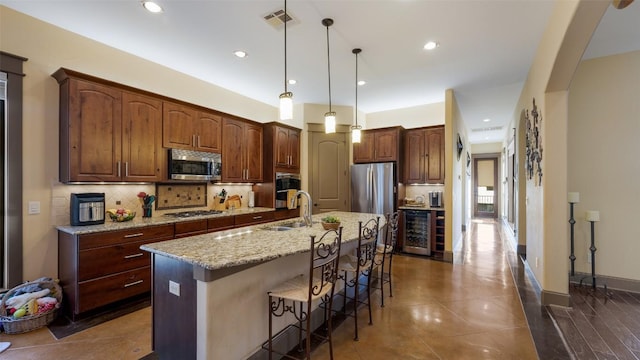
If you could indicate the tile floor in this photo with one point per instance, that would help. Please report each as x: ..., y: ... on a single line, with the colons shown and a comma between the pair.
x: 467, y: 310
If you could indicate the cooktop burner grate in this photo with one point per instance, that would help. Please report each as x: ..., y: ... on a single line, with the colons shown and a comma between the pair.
x: 184, y: 214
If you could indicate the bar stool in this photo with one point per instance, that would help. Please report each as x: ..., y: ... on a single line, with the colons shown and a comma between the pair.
x: 355, y: 266
x: 296, y: 295
x: 385, y: 253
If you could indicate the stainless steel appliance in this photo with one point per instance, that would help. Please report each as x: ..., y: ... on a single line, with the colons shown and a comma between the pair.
x: 194, y: 165
x: 373, y: 188
x: 284, y: 183
x: 87, y: 209
x: 435, y: 199
x: 417, y: 232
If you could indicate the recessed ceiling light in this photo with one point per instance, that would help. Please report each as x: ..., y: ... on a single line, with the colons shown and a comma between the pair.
x: 292, y: 81
x: 431, y: 45
x: 361, y: 82
x: 241, y: 54
x: 152, y: 7
x: 486, y: 120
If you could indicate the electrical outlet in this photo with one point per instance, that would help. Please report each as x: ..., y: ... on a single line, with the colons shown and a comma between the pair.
x: 588, y: 257
x: 174, y: 288
x: 537, y: 262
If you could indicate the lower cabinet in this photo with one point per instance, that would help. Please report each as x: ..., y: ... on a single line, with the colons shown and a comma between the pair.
x: 98, y: 269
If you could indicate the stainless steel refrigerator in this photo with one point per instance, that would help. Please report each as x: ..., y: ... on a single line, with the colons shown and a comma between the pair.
x: 373, y: 188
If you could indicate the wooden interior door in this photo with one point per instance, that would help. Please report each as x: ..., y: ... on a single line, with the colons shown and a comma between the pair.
x: 329, y: 172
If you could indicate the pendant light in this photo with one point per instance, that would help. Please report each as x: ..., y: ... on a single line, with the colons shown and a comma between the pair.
x: 286, y: 98
x: 356, y: 129
x: 329, y: 117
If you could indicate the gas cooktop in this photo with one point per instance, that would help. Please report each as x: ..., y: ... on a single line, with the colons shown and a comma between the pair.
x: 184, y: 214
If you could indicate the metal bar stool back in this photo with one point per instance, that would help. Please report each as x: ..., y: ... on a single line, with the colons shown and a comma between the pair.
x: 354, y: 267
x: 296, y: 295
x: 385, y: 253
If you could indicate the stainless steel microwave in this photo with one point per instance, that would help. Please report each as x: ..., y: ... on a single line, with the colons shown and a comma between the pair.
x: 194, y: 165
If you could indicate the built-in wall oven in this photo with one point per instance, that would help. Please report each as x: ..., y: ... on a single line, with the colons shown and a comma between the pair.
x: 417, y: 232
x: 284, y: 183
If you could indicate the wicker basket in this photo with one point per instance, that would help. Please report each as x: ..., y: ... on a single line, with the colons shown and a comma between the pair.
x: 330, y: 226
x: 30, y: 322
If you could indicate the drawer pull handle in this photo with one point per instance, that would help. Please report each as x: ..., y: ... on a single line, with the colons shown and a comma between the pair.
x: 134, y: 283
x: 133, y: 256
x: 133, y: 235
x: 257, y: 217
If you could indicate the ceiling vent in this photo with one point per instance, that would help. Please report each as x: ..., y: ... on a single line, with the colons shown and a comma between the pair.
x: 276, y: 19
x: 493, y: 128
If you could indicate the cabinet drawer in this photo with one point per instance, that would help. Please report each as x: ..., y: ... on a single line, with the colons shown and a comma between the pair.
x: 104, y: 261
x: 151, y: 233
x: 105, y: 290
x: 256, y: 218
x: 220, y: 223
x: 189, y: 228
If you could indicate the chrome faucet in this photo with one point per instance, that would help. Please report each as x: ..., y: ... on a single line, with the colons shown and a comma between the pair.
x: 308, y: 220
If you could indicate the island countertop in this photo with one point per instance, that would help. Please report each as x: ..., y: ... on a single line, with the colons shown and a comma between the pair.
x: 253, y: 244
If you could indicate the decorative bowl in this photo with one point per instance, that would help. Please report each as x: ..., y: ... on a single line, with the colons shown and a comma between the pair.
x: 330, y: 226
x: 127, y: 216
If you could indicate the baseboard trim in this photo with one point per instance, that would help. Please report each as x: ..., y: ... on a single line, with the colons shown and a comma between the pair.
x: 447, y: 256
x: 554, y: 298
x: 615, y: 283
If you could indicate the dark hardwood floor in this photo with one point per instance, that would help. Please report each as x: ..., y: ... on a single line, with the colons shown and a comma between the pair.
x: 598, y: 326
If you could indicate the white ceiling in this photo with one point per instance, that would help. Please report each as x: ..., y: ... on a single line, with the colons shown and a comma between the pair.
x: 486, y: 47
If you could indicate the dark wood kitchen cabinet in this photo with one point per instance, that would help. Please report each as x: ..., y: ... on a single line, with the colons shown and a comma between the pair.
x: 378, y: 145
x: 107, y: 133
x: 99, y: 269
x: 286, y: 149
x: 189, y: 128
x: 241, y: 151
x: 424, y: 155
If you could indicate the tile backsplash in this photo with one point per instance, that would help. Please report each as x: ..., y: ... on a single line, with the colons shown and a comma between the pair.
x: 423, y: 190
x: 126, y: 196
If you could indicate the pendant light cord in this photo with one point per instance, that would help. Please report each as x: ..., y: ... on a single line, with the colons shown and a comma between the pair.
x: 286, y: 16
x: 329, y: 67
x: 356, y: 51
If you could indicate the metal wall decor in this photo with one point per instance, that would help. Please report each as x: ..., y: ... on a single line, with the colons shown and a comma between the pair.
x: 533, y: 141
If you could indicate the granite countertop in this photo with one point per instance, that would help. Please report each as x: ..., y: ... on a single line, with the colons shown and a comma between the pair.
x: 253, y: 244
x: 158, y: 219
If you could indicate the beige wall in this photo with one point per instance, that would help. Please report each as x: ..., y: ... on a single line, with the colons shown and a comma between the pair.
x: 49, y: 48
x: 486, y: 148
x: 455, y: 170
x: 412, y: 117
x: 603, y: 163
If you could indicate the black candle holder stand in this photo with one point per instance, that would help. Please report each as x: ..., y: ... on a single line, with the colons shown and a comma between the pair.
x: 592, y: 248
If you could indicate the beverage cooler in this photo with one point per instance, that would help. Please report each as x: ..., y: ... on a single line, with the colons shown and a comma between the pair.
x: 417, y: 232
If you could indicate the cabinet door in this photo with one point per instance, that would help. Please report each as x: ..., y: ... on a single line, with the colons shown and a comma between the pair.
x: 414, y: 161
x: 282, y: 147
x: 253, y: 153
x: 208, y: 128
x: 232, y: 166
x: 435, y: 155
x: 95, y: 132
x: 294, y: 149
x: 177, y: 125
x: 363, y: 152
x: 142, y: 152
x: 386, y: 145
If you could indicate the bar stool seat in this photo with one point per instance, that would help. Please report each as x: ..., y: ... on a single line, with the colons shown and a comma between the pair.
x: 297, y: 289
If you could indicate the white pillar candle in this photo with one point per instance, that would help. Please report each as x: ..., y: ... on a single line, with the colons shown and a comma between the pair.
x: 574, y: 197
x: 593, y: 215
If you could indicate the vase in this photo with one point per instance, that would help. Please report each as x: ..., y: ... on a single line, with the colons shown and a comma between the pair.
x: 146, y: 211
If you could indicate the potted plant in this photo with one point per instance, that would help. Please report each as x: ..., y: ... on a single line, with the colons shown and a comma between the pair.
x: 330, y: 222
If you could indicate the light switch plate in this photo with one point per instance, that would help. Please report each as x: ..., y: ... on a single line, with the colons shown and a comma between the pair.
x: 174, y: 288
x: 34, y: 207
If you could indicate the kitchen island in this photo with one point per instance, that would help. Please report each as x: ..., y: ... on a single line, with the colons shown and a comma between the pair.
x: 209, y: 292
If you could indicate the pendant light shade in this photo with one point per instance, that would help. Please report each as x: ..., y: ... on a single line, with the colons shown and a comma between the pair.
x: 356, y: 132
x: 330, y: 116
x: 286, y: 98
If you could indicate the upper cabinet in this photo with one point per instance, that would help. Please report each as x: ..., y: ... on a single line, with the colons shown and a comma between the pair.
x: 378, y: 145
x: 286, y: 149
x: 186, y: 127
x: 241, y: 151
x: 106, y: 133
x: 424, y: 155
